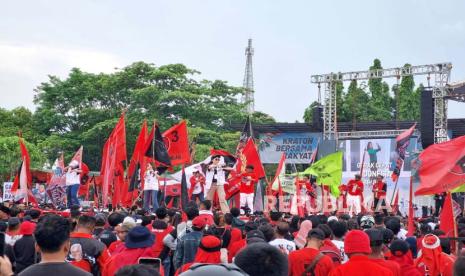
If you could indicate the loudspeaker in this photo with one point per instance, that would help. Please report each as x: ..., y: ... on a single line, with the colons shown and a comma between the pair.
x: 427, y: 117
x: 317, y: 117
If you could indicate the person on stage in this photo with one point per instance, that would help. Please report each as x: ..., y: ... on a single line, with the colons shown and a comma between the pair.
x: 247, y: 189
x: 379, y: 190
x: 197, y: 181
x: 216, y: 177
x: 307, y: 192
x: 151, y: 187
x: 342, y: 199
x: 73, y: 180
x: 355, y: 194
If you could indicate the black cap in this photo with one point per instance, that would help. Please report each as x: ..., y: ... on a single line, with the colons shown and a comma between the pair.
x: 255, y: 236
x: 399, y: 247
x: 376, y: 236
x: 316, y: 234
x: 12, y: 222
x: 4, y: 209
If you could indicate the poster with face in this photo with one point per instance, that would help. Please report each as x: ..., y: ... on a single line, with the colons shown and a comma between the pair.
x: 373, y: 157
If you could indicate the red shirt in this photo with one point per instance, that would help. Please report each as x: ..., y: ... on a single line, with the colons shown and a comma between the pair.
x: 194, y: 180
x: 113, y: 246
x: 235, y: 248
x: 248, y: 186
x: 392, y: 266
x: 355, y: 187
x: 360, y: 265
x: 379, y: 188
x: 300, y: 259
x: 127, y: 257
x: 160, y: 234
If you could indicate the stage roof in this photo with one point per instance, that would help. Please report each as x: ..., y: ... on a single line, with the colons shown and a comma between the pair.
x: 456, y: 125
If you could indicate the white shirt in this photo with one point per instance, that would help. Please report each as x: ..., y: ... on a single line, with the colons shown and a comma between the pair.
x: 285, y: 246
x: 72, y: 178
x: 219, y: 176
x: 150, y: 181
x: 197, y: 188
x: 340, y: 245
x: 402, y: 235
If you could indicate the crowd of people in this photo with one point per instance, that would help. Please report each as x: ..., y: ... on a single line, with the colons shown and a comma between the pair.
x: 201, y: 240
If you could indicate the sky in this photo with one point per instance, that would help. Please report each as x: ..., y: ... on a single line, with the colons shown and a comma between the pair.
x: 292, y: 40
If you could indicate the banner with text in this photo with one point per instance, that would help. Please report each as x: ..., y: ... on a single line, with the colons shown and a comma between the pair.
x: 298, y: 147
x: 7, y: 195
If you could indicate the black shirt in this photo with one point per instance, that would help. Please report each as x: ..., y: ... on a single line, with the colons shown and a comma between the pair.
x: 47, y: 269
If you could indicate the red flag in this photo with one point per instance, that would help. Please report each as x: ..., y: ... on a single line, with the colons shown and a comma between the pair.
x: 249, y: 156
x: 447, y: 218
x: 313, y: 156
x: 279, y: 171
x: 137, y: 158
x: 442, y: 167
x: 78, y: 156
x: 25, y: 176
x: 411, y: 226
x: 114, y: 153
x: 395, y: 203
x: 177, y: 143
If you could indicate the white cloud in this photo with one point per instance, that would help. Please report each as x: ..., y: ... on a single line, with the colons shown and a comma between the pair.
x: 24, y: 67
x: 456, y: 27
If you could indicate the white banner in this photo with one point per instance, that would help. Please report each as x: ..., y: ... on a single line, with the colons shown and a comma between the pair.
x: 7, y: 196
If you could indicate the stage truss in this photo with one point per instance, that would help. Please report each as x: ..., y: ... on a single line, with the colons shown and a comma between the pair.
x: 439, y: 71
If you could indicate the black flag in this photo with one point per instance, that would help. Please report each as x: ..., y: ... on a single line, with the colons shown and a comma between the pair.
x: 135, y: 179
x: 184, y: 191
x: 246, y: 133
x: 156, y: 149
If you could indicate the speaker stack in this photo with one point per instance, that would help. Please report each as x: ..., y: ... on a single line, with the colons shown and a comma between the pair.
x: 317, y: 118
x: 427, y: 117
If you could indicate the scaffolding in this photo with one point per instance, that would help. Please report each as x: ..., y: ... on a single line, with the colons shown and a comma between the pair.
x: 440, y: 72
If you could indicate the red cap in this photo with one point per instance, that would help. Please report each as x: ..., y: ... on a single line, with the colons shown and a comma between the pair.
x: 27, y: 228
x: 210, y: 242
x: 199, y: 222
x: 357, y: 241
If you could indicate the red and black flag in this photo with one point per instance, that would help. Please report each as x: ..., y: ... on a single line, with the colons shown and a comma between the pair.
x: 441, y: 167
x: 156, y: 149
x: 136, y: 165
x: 246, y: 133
x: 23, y: 178
x: 402, y: 143
x: 229, y: 159
x: 177, y: 144
x: 114, y: 155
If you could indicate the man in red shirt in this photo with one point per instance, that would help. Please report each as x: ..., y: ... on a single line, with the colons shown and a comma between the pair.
x: 357, y: 248
x: 310, y: 259
x: 355, y: 194
x: 307, y: 195
x: 197, y: 181
x: 379, y: 190
x: 248, y: 180
x: 377, y: 255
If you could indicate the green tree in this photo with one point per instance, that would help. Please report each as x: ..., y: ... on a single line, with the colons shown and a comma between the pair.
x: 84, y: 108
x: 308, y: 113
x: 356, y: 104
x: 380, y: 101
x: 406, y: 100
x: 10, y: 156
